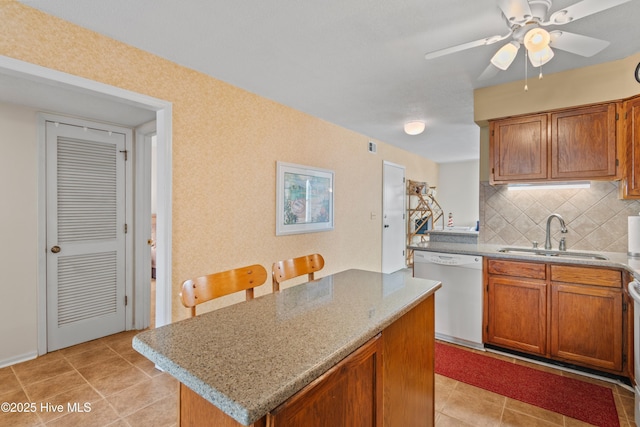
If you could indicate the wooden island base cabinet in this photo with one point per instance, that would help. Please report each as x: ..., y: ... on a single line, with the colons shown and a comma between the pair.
x: 569, y: 313
x: 387, y: 382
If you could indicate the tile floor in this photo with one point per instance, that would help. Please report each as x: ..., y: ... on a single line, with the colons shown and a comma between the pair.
x: 124, y: 389
x: 120, y: 387
x: 459, y: 404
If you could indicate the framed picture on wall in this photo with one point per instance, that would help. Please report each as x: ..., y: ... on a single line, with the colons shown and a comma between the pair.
x: 304, y: 199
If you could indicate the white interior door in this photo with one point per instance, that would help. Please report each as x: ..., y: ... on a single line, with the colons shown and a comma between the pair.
x: 393, y: 218
x: 86, y: 243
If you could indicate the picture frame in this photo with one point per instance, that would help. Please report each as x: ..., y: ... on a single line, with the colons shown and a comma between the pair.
x: 304, y: 199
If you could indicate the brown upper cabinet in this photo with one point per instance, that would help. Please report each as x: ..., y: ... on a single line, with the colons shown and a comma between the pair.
x: 518, y: 148
x: 630, y: 187
x: 563, y: 145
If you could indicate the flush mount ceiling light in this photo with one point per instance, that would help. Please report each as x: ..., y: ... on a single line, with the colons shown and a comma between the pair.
x: 415, y: 127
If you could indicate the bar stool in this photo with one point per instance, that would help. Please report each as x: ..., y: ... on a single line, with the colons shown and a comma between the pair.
x: 205, y: 288
x: 294, y: 267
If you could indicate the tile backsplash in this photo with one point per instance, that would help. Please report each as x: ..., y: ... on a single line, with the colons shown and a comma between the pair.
x: 595, y: 217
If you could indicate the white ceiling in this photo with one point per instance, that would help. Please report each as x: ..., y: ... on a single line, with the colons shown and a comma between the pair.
x: 356, y: 63
x: 55, y: 97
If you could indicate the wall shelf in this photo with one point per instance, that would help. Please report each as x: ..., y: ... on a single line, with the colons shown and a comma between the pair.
x: 423, y: 214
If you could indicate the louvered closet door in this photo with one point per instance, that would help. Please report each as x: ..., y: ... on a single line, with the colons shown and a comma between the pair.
x: 85, y: 234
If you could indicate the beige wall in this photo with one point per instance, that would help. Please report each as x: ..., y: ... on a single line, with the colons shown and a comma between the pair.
x: 457, y: 191
x: 588, y: 85
x: 226, y: 142
x: 18, y: 220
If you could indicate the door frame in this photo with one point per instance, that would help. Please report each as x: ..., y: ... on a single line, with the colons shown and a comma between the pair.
x: 163, y: 111
x: 142, y: 205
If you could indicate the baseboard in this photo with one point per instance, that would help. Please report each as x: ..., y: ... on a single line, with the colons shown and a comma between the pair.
x: 458, y: 341
x: 18, y: 359
x: 624, y: 382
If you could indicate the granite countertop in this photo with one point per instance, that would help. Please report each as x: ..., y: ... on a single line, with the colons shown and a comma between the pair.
x: 248, y: 358
x: 615, y: 259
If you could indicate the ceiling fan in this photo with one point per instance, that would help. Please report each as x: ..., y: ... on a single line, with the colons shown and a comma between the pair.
x: 526, y: 20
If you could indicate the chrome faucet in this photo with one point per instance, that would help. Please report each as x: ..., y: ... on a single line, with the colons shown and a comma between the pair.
x: 563, y: 229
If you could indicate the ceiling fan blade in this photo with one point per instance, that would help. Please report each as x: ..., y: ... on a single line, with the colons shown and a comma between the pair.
x: 580, y: 10
x: 516, y: 11
x: 455, y: 49
x: 576, y: 43
x: 465, y: 46
x: 489, y: 72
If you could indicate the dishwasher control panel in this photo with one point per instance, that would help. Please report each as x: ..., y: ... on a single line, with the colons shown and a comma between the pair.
x: 447, y: 259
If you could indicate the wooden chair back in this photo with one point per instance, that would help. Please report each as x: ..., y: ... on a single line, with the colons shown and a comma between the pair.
x: 205, y: 288
x: 294, y: 267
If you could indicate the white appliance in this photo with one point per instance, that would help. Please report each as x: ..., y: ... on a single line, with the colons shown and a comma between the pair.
x: 634, y: 291
x: 459, y: 300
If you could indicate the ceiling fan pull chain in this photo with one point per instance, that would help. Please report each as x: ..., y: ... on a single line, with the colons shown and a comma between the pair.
x: 526, y: 88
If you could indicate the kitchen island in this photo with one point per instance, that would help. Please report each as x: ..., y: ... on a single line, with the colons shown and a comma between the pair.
x: 285, y: 358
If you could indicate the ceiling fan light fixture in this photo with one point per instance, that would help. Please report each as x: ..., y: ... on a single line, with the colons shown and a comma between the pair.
x: 537, y: 39
x: 415, y: 127
x: 541, y: 57
x: 505, y: 56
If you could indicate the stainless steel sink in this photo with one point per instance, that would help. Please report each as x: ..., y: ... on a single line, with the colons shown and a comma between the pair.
x: 551, y: 253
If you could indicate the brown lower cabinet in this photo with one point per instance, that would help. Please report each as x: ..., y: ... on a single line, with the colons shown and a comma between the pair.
x: 586, y: 326
x: 570, y: 313
x: 517, y: 314
x: 389, y: 381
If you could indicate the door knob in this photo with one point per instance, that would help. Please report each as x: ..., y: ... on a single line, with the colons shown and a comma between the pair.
x: 55, y: 249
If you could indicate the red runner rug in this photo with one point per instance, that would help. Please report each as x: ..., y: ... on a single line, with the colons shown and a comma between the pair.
x: 584, y: 401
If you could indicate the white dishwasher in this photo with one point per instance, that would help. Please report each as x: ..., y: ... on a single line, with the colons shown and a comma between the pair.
x: 459, y: 300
